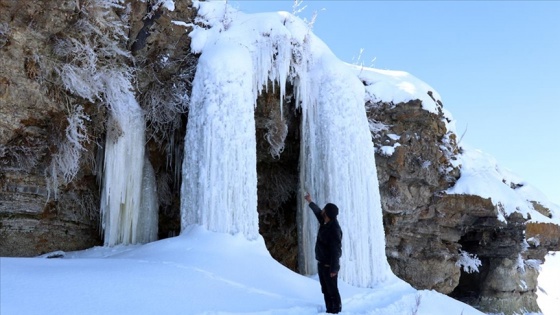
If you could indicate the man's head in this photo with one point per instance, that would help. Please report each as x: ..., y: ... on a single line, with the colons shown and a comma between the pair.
x: 331, y: 210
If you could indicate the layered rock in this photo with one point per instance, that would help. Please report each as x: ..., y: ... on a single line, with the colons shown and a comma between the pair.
x: 34, y: 120
x: 420, y: 250
x: 44, y: 206
x: 426, y: 229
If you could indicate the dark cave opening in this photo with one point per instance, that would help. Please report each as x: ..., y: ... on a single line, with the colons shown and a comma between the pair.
x: 278, y: 175
x: 469, y: 288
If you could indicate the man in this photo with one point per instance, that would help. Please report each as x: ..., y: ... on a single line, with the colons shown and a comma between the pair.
x: 328, y: 249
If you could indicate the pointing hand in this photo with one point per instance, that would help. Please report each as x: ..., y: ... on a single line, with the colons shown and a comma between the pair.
x: 307, y: 197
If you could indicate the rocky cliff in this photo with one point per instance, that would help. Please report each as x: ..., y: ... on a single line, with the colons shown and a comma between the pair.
x: 52, y: 138
x: 427, y: 228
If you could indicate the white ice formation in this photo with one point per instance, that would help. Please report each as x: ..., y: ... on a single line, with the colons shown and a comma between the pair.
x: 240, y: 55
x: 123, y: 171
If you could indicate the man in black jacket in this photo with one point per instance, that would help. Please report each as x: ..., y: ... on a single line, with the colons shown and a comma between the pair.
x: 328, y: 250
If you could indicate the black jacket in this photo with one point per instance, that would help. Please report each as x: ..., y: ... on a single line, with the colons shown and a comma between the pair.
x: 328, y: 247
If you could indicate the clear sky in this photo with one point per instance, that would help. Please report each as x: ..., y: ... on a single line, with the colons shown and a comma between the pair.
x: 496, y: 65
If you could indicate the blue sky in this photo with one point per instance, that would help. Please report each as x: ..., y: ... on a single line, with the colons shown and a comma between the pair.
x: 496, y: 65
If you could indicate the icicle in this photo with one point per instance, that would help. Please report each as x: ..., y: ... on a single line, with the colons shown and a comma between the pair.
x: 147, y: 229
x: 272, y: 58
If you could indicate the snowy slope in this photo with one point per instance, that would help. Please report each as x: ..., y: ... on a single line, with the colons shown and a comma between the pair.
x: 199, y: 272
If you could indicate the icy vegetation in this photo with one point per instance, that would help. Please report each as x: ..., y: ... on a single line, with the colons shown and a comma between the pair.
x: 468, y: 262
x: 65, y: 163
x: 241, y: 54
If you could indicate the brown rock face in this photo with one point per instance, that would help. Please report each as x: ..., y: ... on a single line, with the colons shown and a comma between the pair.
x: 419, y: 249
x: 42, y: 207
x: 426, y: 229
x: 34, y: 119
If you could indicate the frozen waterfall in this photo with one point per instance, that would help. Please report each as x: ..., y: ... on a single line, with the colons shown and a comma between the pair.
x: 337, y: 165
x: 219, y: 189
x: 125, y: 218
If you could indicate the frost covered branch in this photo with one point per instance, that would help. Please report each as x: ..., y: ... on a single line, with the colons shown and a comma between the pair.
x: 297, y: 7
x: 65, y: 163
x: 90, y: 50
x: 469, y: 262
x: 376, y: 127
x: 163, y: 106
x: 277, y: 130
x: 20, y: 157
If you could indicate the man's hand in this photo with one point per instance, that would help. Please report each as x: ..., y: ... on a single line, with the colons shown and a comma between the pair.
x: 307, y: 197
x: 333, y: 274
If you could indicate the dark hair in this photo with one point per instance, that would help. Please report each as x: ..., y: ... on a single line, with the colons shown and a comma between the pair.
x: 331, y: 210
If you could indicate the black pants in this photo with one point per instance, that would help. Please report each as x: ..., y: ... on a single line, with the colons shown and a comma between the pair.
x: 329, y: 287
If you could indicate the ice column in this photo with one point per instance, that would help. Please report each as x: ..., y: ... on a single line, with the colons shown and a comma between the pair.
x: 123, y: 168
x: 148, y: 212
x: 219, y: 189
x: 337, y: 165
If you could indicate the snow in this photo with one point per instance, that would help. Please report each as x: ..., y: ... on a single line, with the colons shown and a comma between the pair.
x: 396, y: 87
x: 168, y: 4
x: 181, y: 23
x: 481, y: 175
x: 198, y: 272
x: 548, y: 291
x: 388, y: 150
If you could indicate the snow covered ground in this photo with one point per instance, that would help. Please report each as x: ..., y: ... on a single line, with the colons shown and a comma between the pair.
x: 199, y: 272
x: 548, y: 289
x: 203, y: 272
